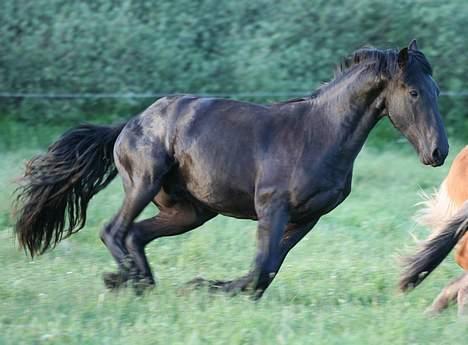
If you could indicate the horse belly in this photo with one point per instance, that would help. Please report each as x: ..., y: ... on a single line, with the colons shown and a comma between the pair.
x: 323, y: 198
x: 222, y: 186
x: 235, y: 204
x: 224, y: 199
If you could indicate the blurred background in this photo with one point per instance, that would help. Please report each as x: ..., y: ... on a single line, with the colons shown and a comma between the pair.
x: 68, y: 61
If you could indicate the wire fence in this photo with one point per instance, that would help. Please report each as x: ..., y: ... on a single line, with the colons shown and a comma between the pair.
x: 131, y: 95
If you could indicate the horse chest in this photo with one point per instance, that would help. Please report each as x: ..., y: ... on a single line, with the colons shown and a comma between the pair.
x: 322, y: 199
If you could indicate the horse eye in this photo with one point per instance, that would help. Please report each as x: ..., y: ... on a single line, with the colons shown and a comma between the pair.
x: 413, y: 93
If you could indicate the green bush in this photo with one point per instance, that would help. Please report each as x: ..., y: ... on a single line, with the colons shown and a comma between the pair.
x: 210, y: 46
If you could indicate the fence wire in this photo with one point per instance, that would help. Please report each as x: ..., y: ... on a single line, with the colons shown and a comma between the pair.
x: 131, y: 95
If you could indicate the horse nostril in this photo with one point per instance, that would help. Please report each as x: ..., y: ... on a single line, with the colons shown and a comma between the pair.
x: 436, y: 155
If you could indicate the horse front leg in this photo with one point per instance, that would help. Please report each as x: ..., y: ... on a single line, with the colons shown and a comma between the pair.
x: 271, y: 226
x: 275, y: 238
x: 290, y: 237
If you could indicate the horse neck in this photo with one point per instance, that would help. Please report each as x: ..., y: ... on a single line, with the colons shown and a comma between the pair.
x: 351, y: 108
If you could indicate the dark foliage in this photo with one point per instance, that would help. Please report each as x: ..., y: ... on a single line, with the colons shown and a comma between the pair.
x: 209, y: 46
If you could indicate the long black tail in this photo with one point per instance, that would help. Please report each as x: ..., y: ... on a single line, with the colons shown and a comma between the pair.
x: 58, y: 185
x: 431, y: 253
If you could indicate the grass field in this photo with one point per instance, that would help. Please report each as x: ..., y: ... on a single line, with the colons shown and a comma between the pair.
x: 338, y: 286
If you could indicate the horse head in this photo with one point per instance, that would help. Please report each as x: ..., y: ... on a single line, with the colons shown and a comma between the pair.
x: 411, y: 103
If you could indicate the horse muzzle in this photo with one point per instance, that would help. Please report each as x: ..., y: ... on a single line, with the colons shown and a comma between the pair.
x: 436, y: 158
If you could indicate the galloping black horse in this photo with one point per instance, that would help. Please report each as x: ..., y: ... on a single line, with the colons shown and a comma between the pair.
x: 285, y: 164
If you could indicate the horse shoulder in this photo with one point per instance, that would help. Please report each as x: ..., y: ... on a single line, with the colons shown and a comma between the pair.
x: 461, y: 254
x: 457, y: 179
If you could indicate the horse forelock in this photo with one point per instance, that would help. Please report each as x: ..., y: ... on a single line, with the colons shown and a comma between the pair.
x: 417, y: 57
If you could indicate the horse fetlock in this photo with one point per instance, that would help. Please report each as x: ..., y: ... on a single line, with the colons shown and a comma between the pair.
x: 128, y: 264
x: 143, y: 284
x: 231, y: 287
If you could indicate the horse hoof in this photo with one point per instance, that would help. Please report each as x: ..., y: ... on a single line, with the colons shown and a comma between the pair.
x: 257, y: 294
x: 432, y: 312
x: 231, y: 287
x: 202, y: 283
x: 198, y: 283
x: 113, y: 280
x: 141, y: 286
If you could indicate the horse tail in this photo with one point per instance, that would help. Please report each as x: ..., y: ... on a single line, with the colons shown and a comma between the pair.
x: 432, y: 251
x: 58, y: 185
x: 437, y: 209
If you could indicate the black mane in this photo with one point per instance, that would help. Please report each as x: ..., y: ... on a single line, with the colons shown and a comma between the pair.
x: 382, y: 61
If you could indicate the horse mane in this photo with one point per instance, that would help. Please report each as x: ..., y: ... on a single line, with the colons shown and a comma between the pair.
x: 382, y: 62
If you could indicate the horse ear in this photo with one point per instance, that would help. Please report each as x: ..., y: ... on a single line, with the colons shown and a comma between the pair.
x: 413, y: 45
x: 403, y: 58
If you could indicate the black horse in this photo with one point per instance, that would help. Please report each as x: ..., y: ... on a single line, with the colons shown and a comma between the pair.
x: 285, y: 164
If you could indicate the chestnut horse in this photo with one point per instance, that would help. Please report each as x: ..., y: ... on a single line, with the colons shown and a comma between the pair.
x: 285, y: 165
x: 446, y: 213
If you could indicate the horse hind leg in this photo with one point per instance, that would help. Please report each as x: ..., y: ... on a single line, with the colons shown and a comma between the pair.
x: 462, y: 298
x: 113, y: 235
x: 142, y: 173
x: 174, y: 218
x: 449, y: 294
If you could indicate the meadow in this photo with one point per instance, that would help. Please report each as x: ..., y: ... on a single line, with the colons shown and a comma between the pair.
x: 338, y: 286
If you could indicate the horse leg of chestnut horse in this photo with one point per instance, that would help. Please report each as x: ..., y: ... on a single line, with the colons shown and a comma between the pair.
x: 462, y: 299
x: 448, y: 294
x: 174, y: 218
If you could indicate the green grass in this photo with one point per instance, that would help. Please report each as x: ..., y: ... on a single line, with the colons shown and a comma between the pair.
x: 338, y: 286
